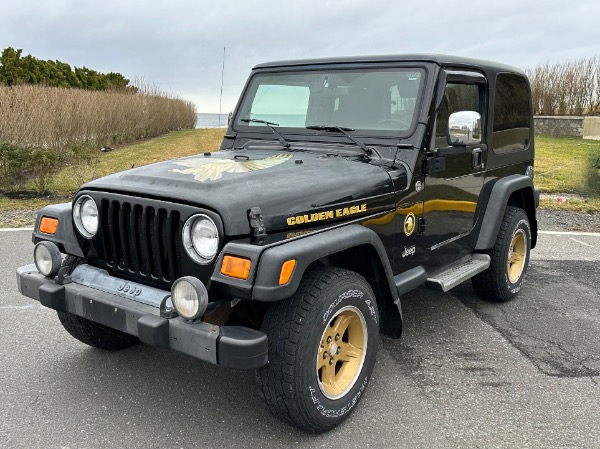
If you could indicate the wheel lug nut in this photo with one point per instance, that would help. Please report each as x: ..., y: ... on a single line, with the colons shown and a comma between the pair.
x: 339, y: 350
x: 328, y: 339
x: 337, y: 337
x: 331, y: 361
x: 325, y: 355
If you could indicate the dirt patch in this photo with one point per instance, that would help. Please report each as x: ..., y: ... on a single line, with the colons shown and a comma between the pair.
x: 555, y: 220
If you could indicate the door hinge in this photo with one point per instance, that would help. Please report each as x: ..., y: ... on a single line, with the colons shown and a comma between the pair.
x: 433, y: 165
x: 259, y: 232
x: 421, y: 226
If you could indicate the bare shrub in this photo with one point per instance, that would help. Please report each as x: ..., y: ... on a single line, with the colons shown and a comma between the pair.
x: 83, y: 165
x: 566, y: 88
x: 43, y: 128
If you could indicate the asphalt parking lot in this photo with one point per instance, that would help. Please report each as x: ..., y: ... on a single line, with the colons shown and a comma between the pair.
x: 467, y: 373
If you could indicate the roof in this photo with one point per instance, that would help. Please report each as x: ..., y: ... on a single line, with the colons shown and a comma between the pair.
x: 442, y: 60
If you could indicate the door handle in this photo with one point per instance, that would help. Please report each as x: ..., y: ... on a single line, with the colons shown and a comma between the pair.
x: 477, y: 158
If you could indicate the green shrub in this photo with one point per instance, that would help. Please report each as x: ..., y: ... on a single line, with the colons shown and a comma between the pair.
x: 19, y: 165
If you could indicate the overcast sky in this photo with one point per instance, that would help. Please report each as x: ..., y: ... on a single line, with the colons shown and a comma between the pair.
x: 178, y: 45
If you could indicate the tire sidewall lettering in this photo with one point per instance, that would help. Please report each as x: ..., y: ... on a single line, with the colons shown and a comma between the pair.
x: 339, y: 412
x: 355, y: 293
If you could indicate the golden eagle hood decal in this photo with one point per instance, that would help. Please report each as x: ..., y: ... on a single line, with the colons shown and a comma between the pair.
x: 207, y: 169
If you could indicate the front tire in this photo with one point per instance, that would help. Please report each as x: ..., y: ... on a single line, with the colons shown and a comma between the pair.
x: 94, y: 334
x: 322, y: 349
x: 88, y: 332
x: 510, y: 258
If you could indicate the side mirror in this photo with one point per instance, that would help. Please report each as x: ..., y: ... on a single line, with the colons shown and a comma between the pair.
x: 464, y: 128
x: 229, y: 118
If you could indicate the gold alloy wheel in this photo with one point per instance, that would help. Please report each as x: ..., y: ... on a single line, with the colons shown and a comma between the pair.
x: 516, y: 256
x: 342, y: 352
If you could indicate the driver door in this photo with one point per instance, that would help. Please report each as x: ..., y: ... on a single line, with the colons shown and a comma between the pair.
x: 451, y: 194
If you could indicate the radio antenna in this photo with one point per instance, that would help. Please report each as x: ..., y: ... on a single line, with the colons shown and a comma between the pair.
x: 221, y: 97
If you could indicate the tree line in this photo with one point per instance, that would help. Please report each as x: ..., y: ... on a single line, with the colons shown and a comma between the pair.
x: 566, y: 88
x: 16, y: 69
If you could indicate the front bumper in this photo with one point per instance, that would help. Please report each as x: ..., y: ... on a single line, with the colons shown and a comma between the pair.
x: 230, y: 346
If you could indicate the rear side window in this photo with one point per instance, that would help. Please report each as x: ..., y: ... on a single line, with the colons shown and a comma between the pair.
x: 512, y: 114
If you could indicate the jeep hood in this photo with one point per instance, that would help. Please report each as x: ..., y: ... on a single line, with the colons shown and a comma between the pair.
x: 282, y: 184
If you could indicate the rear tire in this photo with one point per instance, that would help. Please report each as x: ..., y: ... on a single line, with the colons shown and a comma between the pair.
x: 322, y: 348
x: 510, y: 258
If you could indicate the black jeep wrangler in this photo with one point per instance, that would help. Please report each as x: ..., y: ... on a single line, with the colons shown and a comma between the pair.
x: 341, y: 185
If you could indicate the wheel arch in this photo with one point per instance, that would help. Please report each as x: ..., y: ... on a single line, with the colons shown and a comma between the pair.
x: 514, y: 190
x: 353, y: 247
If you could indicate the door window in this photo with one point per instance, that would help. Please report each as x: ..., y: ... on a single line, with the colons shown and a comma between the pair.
x: 457, y: 97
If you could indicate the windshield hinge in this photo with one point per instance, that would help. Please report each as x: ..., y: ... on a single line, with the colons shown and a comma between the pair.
x: 259, y: 232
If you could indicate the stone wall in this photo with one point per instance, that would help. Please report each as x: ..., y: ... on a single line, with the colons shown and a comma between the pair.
x: 557, y: 126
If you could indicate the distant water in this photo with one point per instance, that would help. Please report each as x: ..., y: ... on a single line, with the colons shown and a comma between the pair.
x: 211, y: 120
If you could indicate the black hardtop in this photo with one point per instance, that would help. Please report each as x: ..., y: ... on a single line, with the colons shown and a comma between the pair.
x: 488, y: 67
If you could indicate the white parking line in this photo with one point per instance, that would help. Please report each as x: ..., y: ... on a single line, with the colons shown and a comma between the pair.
x: 593, y: 234
x: 15, y: 229
x: 24, y: 307
x: 583, y: 243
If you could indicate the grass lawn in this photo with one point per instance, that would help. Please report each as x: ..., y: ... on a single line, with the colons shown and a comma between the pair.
x: 563, y: 167
x: 568, y: 167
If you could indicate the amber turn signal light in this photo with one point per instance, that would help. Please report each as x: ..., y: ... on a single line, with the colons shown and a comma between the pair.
x: 236, y: 267
x: 48, y: 225
x: 286, y: 271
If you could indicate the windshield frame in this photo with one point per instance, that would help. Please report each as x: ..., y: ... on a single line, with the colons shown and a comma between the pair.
x: 302, y: 132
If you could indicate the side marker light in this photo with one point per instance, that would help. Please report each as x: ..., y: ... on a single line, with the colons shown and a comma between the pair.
x: 287, y: 269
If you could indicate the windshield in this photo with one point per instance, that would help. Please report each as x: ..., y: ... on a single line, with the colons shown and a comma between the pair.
x: 370, y: 100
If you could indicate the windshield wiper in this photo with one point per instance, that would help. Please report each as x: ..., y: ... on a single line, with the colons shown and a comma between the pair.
x: 271, y: 125
x: 344, y: 130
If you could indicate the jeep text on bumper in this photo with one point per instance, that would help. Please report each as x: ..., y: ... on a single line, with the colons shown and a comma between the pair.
x: 229, y: 346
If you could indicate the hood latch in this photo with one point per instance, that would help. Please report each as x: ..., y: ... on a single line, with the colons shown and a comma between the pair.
x: 259, y: 232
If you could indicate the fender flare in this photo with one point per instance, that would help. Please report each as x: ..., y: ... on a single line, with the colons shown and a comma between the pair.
x: 497, y: 201
x: 309, y: 249
x: 65, y: 237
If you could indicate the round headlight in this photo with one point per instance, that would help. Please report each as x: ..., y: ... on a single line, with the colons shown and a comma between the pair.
x: 189, y: 297
x: 46, y: 256
x: 85, y: 215
x: 201, y: 238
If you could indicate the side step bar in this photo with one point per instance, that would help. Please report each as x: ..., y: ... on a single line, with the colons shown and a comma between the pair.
x: 449, y: 277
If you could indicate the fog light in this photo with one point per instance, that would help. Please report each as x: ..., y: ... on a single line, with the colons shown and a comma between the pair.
x: 189, y: 297
x: 46, y: 256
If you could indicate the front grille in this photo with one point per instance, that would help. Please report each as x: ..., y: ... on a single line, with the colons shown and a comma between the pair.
x: 141, y: 241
